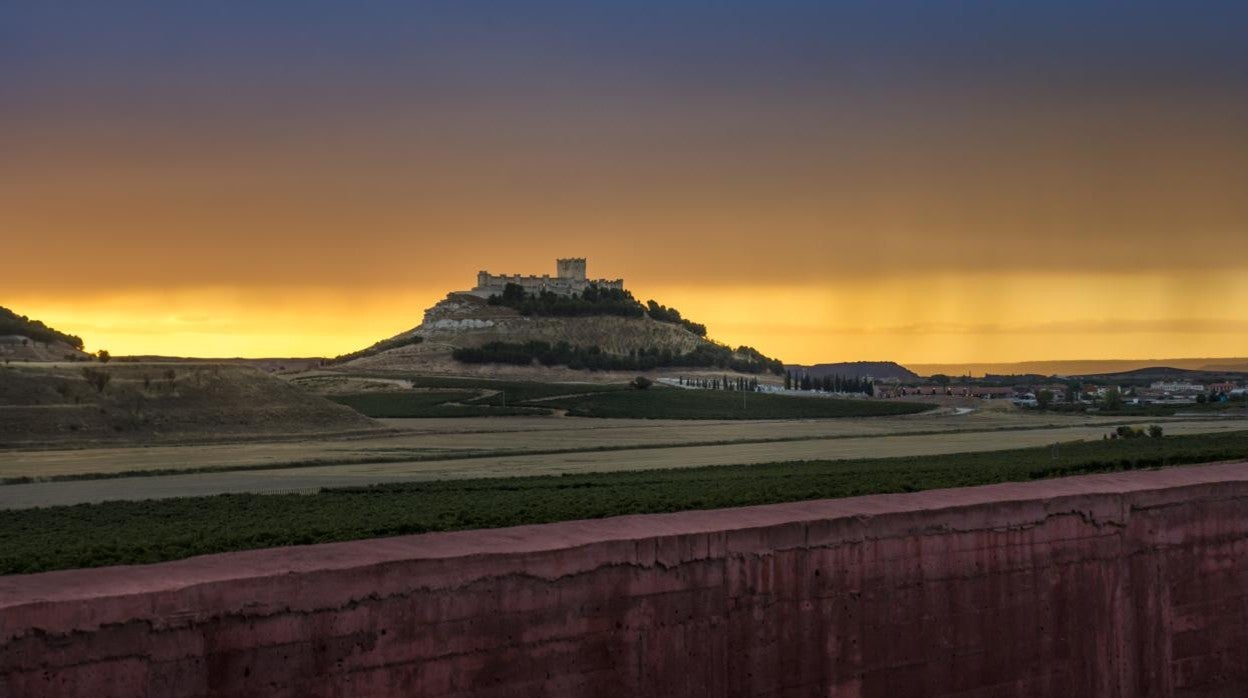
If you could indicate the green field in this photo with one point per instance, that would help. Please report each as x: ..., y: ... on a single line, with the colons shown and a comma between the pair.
x: 519, y: 390
x: 412, y: 404
x: 33, y: 540
x: 481, y: 397
x: 675, y: 403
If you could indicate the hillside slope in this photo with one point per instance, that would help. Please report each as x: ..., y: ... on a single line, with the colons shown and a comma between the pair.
x: 24, y: 339
x: 465, y: 321
x: 136, y: 402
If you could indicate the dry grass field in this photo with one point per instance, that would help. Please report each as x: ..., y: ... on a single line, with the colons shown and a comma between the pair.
x: 459, y: 437
x: 430, y: 449
x: 82, y: 404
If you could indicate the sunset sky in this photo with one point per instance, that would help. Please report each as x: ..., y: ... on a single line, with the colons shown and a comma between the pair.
x: 879, y: 180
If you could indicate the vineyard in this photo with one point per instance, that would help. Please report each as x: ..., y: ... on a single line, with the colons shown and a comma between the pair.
x: 674, y: 403
x: 33, y: 540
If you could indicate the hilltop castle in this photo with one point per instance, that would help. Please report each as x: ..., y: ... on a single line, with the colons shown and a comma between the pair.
x: 569, y: 278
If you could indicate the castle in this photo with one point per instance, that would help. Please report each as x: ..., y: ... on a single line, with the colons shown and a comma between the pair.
x: 569, y: 278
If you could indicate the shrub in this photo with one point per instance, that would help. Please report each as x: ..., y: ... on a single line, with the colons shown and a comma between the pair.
x: 96, y: 379
x: 641, y: 383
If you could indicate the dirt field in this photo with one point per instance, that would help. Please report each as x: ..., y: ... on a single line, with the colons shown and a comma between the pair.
x: 464, y: 436
x: 464, y: 448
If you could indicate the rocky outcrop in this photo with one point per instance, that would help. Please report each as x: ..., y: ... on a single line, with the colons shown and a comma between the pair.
x: 464, y: 320
x: 1115, y: 586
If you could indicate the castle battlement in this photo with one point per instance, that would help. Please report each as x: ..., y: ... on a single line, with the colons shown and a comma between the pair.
x: 569, y: 278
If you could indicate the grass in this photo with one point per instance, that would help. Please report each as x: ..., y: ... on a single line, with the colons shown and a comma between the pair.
x: 605, y: 400
x: 90, y: 535
x: 412, y: 404
x: 413, y: 455
x: 1216, y: 408
x: 675, y: 403
x: 526, y: 390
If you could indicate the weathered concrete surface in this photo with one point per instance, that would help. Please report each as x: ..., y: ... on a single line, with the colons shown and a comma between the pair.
x: 1110, y: 585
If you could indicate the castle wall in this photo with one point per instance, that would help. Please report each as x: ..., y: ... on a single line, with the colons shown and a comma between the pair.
x: 1116, y: 586
x: 492, y: 284
x: 570, y: 278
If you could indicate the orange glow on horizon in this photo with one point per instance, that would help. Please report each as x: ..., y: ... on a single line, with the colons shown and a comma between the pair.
x: 926, y: 319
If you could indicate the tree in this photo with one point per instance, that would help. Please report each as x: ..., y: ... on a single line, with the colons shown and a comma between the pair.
x: 940, y: 379
x: 1044, y: 398
x: 1155, y: 431
x: 1112, y: 399
x: 641, y: 383
x: 104, y: 356
x: 513, y: 293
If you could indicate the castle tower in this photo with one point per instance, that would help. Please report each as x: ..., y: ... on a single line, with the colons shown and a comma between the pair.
x: 572, y: 268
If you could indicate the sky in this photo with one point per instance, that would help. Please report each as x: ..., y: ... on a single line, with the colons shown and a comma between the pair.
x: 962, y: 181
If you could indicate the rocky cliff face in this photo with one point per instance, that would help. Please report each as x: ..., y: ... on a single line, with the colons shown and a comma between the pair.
x: 1116, y: 585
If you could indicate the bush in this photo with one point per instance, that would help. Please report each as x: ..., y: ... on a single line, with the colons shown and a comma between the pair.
x: 96, y: 379
x: 1155, y: 431
x: 641, y: 383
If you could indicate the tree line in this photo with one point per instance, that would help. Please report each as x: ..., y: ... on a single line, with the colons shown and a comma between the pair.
x: 13, y: 324
x: 594, y: 300
x: 828, y: 384
x: 663, y: 313
x: 737, y: 383
x: 744, y: 360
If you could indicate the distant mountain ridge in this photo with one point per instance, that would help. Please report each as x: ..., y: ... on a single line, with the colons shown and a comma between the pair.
x: 1168, y: 373
x: 880, y: 370
x: 1078, y: 367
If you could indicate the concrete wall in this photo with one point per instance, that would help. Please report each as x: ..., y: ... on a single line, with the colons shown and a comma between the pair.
x: 1121, y: 585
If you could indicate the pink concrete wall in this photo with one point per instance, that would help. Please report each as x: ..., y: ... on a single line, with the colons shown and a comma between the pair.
x: 1118, y: 585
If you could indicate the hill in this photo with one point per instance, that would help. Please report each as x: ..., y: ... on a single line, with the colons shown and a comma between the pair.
x: 884, y: 370
x: 162, y: 403
x: 1165, y: 373
x: 23, y: 339
x: 1241, y: 367
x: 1074, y: 367
x: 563, y: 337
